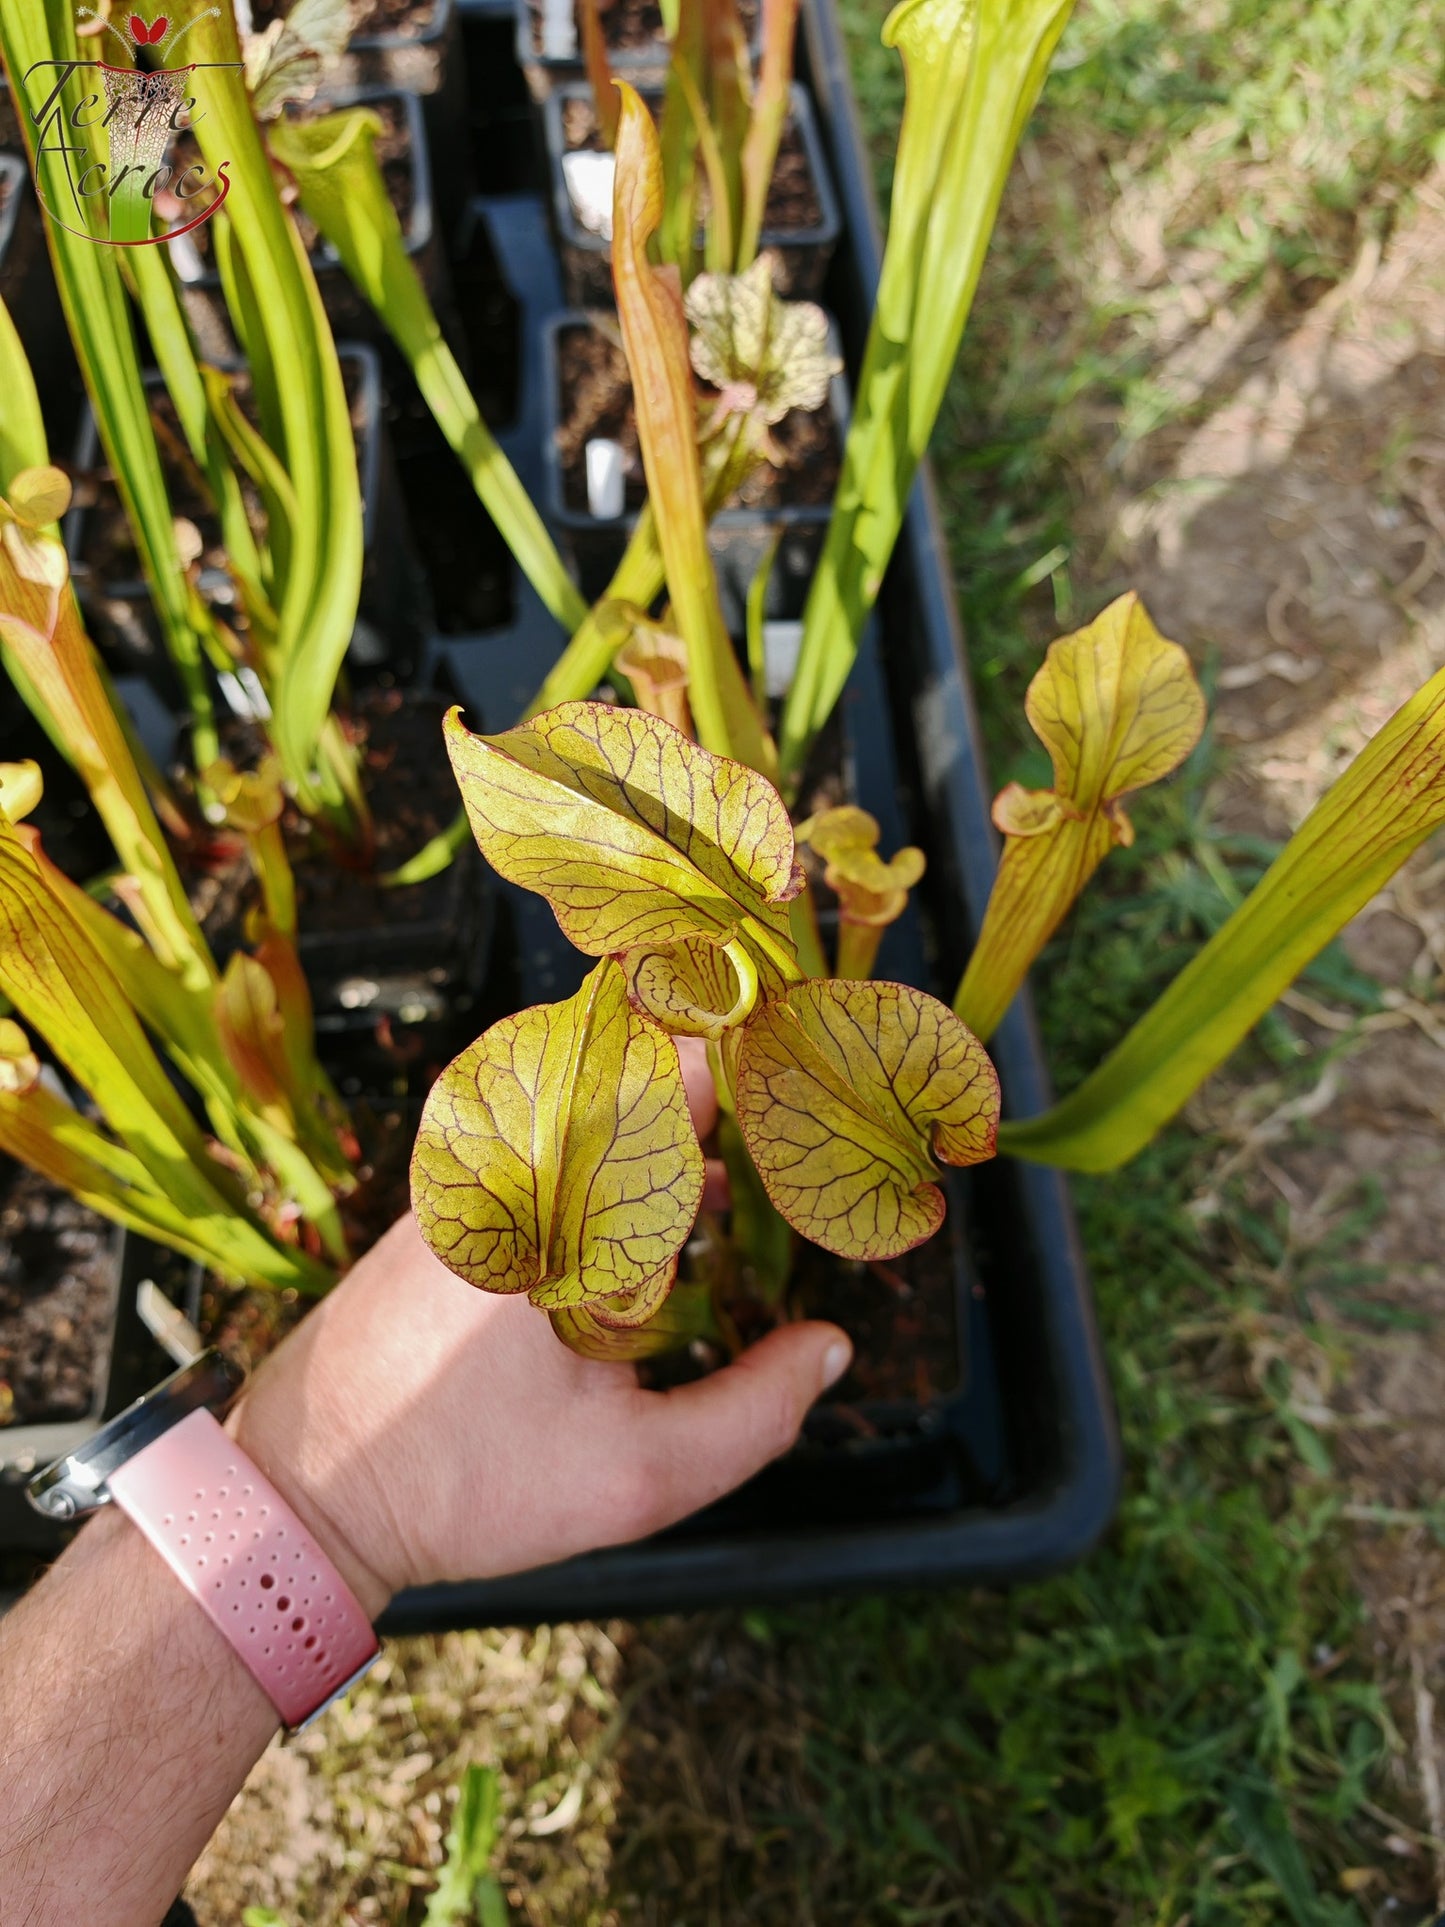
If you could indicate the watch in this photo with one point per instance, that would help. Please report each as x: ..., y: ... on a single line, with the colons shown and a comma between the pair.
x: 226, y: 1533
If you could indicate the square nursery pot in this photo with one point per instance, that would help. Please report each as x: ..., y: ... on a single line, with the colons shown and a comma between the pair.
x: 549, y: 40
x: 391, y: 620
x: 1004, y: 1463
x: 405, y: 158
x: 414, y: 47
x: 73, y: 1348
x: 588, y: 395
x: 801, y: 221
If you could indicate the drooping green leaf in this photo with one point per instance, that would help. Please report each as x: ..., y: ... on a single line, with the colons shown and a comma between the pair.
x: 556, y: 1155
x: 42, y: 1130
x: 1390, y: 799
x: 41, y: 632
x: 1118, y: 708
x: 849, y: 1095
x: 61, y: 983
x: 654, y: 335
x: 634, y: 834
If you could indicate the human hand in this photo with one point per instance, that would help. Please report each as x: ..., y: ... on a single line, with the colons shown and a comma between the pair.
x: 426, y: 1430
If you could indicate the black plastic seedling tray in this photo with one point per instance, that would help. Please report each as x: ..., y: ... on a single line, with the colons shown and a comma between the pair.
x: 1017, y: 1472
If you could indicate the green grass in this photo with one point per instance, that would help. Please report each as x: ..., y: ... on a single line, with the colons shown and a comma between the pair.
x: 1187, y: 1727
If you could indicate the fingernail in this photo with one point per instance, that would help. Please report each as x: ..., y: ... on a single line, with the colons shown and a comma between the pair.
x: 836, y: 1361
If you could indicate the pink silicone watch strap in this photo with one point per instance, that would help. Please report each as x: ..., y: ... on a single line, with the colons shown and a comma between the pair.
x: 229, y: 1536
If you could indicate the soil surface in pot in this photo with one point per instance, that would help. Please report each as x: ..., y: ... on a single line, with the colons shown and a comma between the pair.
x: 107, y: 549
x: 413, y: 796
x: 57, y: 1293
x: 793, y: 206
x: 902, y: 1317
x: 595, y: 399
x: 406, y: 18
x: 393, y: 153
x: 633, y: 27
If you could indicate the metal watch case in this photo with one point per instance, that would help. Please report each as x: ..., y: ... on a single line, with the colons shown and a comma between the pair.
x: 77, y: 1483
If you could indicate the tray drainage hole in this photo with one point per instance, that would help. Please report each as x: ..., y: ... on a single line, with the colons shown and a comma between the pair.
x: 283, y: 1604
x: 298, y: 1624
x: 268, y: 1580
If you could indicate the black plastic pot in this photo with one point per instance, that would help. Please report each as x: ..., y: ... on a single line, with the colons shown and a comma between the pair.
x: 415, y: 61
x: 545, y: 71
x: 803, y: 253
x: 352, y: 316
x: 128, y: 1362
x: 392, y: 618
x: 396, y: 982
x: 739, y: 537
x: 427, y: 62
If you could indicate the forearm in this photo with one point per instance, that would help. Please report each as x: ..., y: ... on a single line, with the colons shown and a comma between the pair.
x: 128, y: 1725
x: 127, y: 1722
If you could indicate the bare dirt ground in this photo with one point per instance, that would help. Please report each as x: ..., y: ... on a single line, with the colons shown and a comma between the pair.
x: 1293, y: 529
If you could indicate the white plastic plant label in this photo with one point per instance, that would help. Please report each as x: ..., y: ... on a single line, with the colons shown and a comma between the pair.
x: 589, y: 176
x: 606, y: 479
x: 782, y: 645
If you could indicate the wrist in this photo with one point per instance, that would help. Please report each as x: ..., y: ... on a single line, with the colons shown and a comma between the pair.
x: 314, y: 1492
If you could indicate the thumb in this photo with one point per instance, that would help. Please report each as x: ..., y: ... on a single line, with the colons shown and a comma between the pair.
x: 701, y: 1440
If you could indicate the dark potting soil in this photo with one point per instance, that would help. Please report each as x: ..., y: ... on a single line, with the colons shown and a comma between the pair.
x: 393, y: 153
x: 902, y: 1317
x: 368, y: 17
x: 57, y: 1290
x: 793, y: 206
x: 413, y: 796
x: 595, y: 394
x: 10, y: 136
x: 633, y: 26
x: 108, y: 549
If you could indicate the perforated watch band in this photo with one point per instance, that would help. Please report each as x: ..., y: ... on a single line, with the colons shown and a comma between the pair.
x: 232, y: 1540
